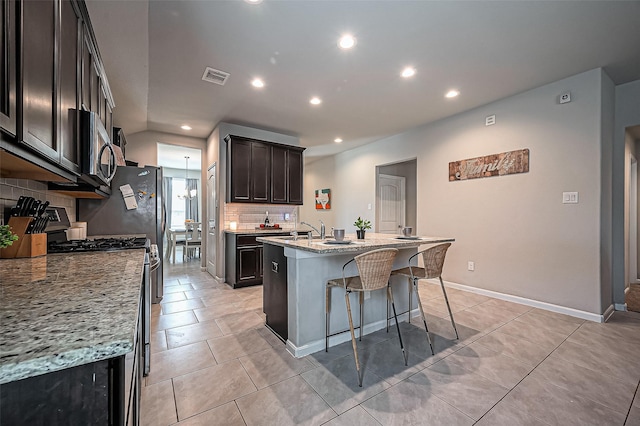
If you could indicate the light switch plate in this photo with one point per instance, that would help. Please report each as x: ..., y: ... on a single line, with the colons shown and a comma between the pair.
x: 569, y: 198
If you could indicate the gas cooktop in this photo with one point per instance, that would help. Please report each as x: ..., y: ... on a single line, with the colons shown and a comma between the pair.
x: 99, y: 244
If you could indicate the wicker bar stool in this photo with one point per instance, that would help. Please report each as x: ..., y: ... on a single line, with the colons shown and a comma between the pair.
x: 433, y: 259
x: 374, y: 268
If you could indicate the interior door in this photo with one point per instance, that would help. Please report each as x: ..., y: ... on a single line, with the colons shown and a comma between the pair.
x: 391, y: 203
x: 212, y: 214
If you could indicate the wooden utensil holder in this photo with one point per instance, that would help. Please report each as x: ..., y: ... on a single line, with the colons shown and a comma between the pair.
x: 27, y: 245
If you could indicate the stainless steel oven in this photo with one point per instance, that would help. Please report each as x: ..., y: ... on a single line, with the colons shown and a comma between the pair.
x: 98, y: 163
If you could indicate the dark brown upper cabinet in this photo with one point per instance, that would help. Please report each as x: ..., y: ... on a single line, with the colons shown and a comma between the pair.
x: 38, y: 51
x: 69, y: 85
x: 50, y: 67
x: 8, y: 66
x: 263, y: 172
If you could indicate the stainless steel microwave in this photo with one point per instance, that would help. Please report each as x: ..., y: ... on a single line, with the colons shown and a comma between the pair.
x: 98, y: 162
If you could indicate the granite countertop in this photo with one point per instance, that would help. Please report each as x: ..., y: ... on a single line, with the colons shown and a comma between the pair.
x: 63, y: 310
x: 371, y: 241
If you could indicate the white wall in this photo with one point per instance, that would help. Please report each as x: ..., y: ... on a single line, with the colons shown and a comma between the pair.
x: 319, y: 174
x: 523, y: 240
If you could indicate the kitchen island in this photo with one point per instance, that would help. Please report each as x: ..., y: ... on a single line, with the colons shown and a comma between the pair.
x: 309, y: 265
x: 70, y: 322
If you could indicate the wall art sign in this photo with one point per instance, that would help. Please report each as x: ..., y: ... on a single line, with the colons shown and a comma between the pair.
x: 323, y: 199
x: 505, y: 163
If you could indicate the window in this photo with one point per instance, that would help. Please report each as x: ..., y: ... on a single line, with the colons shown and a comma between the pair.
x: 178, y: 206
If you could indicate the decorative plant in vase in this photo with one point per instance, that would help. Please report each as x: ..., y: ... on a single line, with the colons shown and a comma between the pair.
x: 6, y: 236
x: 362, y: 225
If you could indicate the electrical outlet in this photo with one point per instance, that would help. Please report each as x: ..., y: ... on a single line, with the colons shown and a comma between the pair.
x: 367, y: 295
x: 565, y: 97
x: 471, y: 266
x: 369, y: 206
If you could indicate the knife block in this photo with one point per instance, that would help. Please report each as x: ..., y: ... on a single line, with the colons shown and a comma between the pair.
x: 27, y: 245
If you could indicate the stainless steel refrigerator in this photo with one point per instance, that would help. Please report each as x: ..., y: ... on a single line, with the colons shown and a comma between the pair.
x: 111, y: 217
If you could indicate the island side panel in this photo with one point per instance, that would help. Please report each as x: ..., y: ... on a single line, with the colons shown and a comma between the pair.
x: 307, y: 276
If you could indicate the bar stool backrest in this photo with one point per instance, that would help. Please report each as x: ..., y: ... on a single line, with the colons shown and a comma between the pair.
x: 375, y: 268
x: 433, y: 259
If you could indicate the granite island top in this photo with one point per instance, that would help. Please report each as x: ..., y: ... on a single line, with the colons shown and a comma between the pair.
x: 259, y: 231
x: 63, y: 310
x: 372, y: 241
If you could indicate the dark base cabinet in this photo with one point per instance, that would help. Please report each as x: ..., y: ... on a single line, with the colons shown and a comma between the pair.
x: 243, y: 259
x: 275, y: 290
x: 74, y: 396
x: 105, y: 392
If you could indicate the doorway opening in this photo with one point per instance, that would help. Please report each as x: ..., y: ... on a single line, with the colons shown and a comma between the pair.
x: 632, y: 286
x: 182, y: 187
x: 396, y: 197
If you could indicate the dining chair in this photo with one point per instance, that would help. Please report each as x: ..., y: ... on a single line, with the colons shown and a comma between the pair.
x: 374, y: 269
x: 433, y: 259
x: 193, y: 240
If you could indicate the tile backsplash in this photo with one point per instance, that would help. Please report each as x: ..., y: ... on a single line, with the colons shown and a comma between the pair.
x: 12, y: 189
x: 250, y: 216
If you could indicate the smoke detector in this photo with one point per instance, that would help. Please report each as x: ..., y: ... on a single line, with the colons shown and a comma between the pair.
x: 215, y: 76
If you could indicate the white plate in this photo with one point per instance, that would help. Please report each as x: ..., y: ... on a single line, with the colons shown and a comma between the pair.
x: 338, y: 242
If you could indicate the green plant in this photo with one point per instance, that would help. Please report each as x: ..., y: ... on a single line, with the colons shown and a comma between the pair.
x: 362, y: 224
x: 6, y: 236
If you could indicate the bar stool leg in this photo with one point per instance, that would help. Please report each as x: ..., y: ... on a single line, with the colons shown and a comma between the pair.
x: 446, y: 299
x: 424, y: 317
x: 410, y: 297
x: 393, y: 305
x: 327, y: 309
x: 353, y: 338
x: 361, y: 294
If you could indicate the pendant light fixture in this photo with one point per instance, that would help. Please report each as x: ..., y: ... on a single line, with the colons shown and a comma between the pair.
x: 188, y: 194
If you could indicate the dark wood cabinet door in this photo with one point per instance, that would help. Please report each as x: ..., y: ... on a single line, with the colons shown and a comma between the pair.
x: 94, y: 86
x: 240, y: 170
x: 85, y: 83
x: 8, y: 61
x: 279, y: 175
x: 68, y: 81
x: 295, y: 176
x: 260, y: 262
x: 39, y: 76
x: 260, y: 172
x: 247, y: 264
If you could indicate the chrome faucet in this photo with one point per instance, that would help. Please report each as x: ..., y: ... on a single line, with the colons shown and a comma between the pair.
x: 321, y: 231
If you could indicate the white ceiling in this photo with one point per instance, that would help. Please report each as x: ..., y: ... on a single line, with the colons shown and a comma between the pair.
x: 156, y: 52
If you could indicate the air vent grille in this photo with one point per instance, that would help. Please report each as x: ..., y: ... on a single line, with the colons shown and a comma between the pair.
x: 215, y: 76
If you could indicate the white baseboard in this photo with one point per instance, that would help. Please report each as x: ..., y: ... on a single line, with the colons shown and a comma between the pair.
x: 529, y: 302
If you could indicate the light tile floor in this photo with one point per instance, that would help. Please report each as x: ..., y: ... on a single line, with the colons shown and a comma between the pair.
x: 214, y: 363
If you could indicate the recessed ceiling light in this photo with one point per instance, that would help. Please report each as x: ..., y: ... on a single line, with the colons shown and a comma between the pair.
x: 315, y: 101
x: 253, y: 1
x: 185, y: 127
x: 337, y: 140
x: 452, y: 94
x: 257, y: 83
x: 408, y: 72
x: 347, y: 41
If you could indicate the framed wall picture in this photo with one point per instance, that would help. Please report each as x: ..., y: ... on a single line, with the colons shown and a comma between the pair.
x: 323, y: 199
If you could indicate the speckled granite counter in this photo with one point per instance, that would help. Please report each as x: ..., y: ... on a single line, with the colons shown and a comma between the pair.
x: 63, y: 310
x: 371, y: 241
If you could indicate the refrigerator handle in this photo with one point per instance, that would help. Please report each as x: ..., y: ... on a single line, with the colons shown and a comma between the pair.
x: 163, y: 223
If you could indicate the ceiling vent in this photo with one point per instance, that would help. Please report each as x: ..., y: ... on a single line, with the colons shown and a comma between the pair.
x: 215, y: 76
